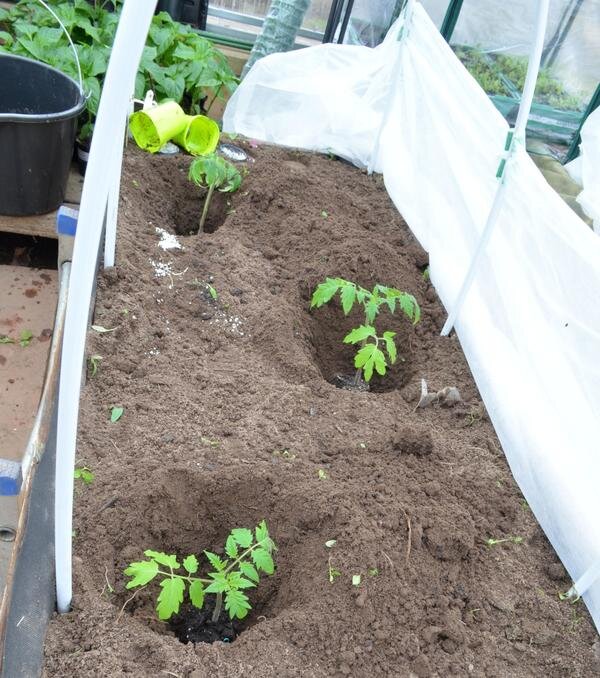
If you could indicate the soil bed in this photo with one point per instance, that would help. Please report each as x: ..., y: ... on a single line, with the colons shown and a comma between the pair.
x: 231, y: 417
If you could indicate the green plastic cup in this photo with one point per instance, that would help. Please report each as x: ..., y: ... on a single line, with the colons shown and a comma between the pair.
x: 153, y: 127
x: 199, y: 136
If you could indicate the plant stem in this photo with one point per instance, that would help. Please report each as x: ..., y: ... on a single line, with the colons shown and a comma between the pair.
x: 205, y: 210
x: 216, y: 94
x: 217, y: 610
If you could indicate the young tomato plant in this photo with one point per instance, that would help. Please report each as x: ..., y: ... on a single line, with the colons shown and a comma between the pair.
x: 370, y: 355
x: 249, y: 553
x: 213, y: 172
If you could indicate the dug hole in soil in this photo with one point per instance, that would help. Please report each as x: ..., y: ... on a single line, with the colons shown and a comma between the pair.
x: 230, y: 417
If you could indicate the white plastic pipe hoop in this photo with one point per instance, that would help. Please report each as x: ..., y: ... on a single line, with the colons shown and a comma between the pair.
x: 106, y: 148
x: 66, y: 32
x: 533, y: 69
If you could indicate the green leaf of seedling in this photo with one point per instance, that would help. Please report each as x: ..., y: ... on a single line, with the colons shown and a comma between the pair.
x: 215, y: 561
x: 360, y: 334
x: 115, y: 414
x: 191, y: 564
x: 371, y: 309
x: 410, y: 307
x: 243, y: 536
x: 324, y: 214
x: 6, y: 340
x: 237, y: 581
x: 84, y: 473
x: 333, y: 573
x: 213, y: 292
x: 324, y: 292
x: 348, y: 296
x: 356, y: 579
x: 331, y: 543
x: 25, y: 337
x: 262, y: 535
x: 250, y: 571
x: 102, y: 330
x: 362, y: 356
x: 231, y: 548
x: 373, y: 572
x: 170, y: 597
x: 219, y: 584
x: 390, y: 346
x: 263, y: 560
x: 196, y: 592
x: 141, y: 573
x: 163, y: 559
x: 379, y: 361
x: 237, y: 604
x: 322, y: 473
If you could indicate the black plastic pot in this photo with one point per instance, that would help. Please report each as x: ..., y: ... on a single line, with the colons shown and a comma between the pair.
x: 39, y: 107
x: 188, y: 11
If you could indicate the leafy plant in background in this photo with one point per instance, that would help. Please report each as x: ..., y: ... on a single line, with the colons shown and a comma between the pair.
x: 212, y: 171
x: 496, y: 72
x: 249, y: 554
x: 177, y: 63
x: 370, y: 356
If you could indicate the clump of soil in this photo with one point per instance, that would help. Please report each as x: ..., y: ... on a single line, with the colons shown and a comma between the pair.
x: 192, y: 625
x: 230, y: 417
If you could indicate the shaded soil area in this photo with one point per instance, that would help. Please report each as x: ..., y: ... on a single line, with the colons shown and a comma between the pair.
x: 230, y: 417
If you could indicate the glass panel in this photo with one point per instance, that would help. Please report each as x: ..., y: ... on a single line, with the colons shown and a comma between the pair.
x: 436, y: 10
x: 315, y: 19
x: 493, y: 40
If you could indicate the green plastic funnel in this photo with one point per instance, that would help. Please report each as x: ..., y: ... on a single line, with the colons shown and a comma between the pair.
x: 155, y: 126
x: 199, y: 136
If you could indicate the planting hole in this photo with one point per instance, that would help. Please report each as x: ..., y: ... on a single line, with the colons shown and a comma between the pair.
x: 187, y: 513
x: 187, y: 209
x: 335, y: 359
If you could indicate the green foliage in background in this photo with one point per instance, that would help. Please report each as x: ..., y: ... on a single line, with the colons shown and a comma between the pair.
x: 177, y: 63
x: 492, y: 71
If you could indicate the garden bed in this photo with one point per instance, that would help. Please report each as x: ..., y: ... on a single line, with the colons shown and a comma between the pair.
x: 230, y: 417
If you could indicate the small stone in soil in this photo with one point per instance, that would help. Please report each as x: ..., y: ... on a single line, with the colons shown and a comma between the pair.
x: 206, y: 315
x: 347, y: 383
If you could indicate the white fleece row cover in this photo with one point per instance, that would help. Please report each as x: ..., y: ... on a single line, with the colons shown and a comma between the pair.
x: 530, y: 327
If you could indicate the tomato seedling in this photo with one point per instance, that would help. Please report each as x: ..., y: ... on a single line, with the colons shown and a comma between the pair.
x: 83, y: 473
x: 249, y: 553
x: 212, y: 171
x: 370, y: 356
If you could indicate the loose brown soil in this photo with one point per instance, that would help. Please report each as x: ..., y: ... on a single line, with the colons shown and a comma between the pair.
x: 230, y: 415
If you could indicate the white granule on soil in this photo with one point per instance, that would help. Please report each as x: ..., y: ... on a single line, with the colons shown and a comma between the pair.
x: 167, y: 241
x: 161, y: 269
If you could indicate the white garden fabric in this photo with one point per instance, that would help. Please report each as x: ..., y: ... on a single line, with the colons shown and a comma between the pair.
x: 530, y: 327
